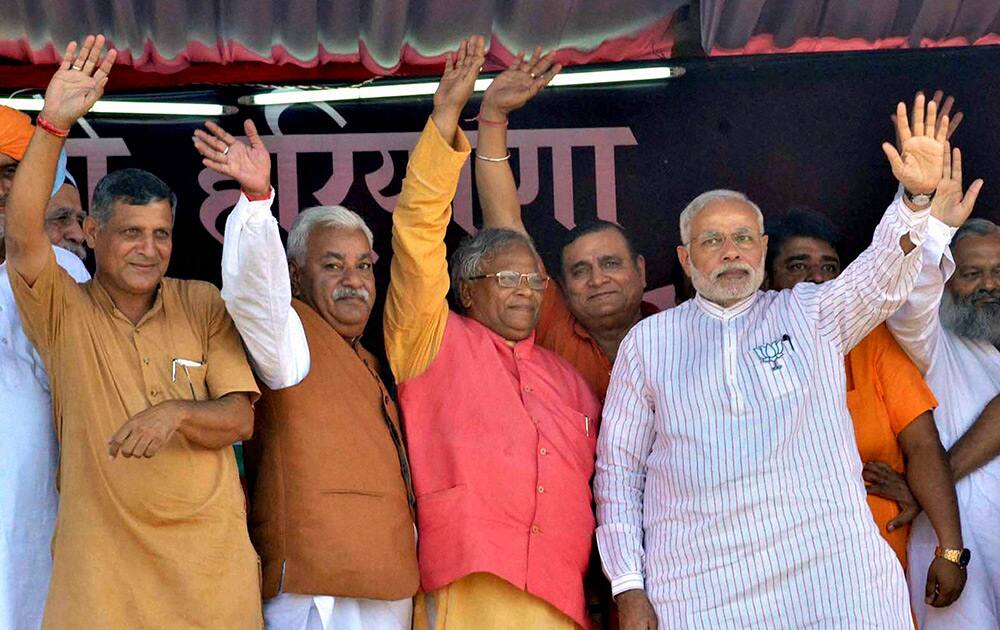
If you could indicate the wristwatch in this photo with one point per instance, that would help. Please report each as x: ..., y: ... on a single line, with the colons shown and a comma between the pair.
x: 960, y: 557
x: 920, y: 201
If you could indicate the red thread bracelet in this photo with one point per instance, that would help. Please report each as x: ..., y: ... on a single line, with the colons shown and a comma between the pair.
x: 490, y: 123
x: 48, y: 127
x: 256, y: 197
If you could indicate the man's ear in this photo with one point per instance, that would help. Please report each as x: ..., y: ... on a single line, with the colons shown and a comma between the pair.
x: 640, y: 264
x: 294, y: 275
x: 684, y: 256
x: 90, y: 229
x: 465, y: 294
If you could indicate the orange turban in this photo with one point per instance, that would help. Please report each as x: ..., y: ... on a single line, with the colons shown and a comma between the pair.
x: 15, y: 132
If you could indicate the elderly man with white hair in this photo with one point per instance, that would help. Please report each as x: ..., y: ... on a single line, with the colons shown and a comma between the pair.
x: 728, y: 484
x: 331, y: 509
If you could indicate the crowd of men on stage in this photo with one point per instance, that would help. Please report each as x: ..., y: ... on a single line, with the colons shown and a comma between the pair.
x: 802, y: 443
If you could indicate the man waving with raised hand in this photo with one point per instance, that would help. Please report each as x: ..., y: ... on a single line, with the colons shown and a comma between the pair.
x: 501, y: 433
x: 150, y: 388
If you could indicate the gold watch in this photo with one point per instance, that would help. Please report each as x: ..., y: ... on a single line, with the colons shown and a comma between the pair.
x: 960, y: 557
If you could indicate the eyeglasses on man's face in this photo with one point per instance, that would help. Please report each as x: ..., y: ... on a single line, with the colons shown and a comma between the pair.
x: 512, y: 279
x: 742, y: 239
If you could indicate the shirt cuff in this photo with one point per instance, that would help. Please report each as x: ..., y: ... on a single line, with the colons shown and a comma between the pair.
x: 939, y: 231
x: 627, y: 582
x: 914, y: 221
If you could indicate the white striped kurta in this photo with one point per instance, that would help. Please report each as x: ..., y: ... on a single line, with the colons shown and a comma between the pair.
x: 731, y: 491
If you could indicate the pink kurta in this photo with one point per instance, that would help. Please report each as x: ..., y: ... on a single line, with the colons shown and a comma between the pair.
x: 501, y: 441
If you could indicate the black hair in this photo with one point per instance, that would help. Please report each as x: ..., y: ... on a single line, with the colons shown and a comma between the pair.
x: 798, y: 223
x: 131, y: 186
x: 591, y: 227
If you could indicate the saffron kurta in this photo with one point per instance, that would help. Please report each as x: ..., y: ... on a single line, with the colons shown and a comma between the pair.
x: 728, y: 481
x: 141, y: 543
x: 562, y: 333
x: 885, y: 393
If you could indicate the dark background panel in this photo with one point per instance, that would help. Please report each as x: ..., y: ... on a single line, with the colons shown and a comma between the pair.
x: 789, y: 131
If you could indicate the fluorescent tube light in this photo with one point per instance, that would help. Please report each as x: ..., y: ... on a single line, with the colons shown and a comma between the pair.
x: 425, y: 88
x: 154, y: 108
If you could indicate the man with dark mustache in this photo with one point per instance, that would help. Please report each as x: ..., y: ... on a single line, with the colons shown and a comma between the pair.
x: 329, y: 482
x: 950, y: 327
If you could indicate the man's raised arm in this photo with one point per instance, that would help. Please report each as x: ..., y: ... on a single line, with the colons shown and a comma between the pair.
x: 76, y: 86
x: 510, y: 90
x: 879, y: 280
x: 416, y: 307
x: 917, y: 324
x: 255, y: 283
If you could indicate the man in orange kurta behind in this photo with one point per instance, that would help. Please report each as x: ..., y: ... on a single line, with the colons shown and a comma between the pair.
x: 889, y: 401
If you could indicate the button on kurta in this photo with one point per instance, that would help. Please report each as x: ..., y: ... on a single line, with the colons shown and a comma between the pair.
x: 541, y: 489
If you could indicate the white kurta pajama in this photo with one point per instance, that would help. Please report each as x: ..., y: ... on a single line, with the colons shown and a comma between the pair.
x: 257, y: 292
x: 29, y: 455
x: 964, y: 375
x: 728, y: 485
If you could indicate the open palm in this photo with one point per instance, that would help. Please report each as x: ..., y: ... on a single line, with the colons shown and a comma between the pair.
x: 950, y: 206
x: 460, y: 73
x: 249, y: 162
x: 919, y: 166
x: 514, y: 87
x: 78, y: 83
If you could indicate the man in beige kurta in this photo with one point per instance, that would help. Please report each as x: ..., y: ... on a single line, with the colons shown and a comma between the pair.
x: 150, y: 542
x: 150, y: 387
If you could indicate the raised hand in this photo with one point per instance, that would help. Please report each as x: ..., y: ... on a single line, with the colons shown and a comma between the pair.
x: 944, y: 113
x: 460, y: 72
x: 919, y: 166
x: 950, y: 206
x: 78, y: 83
x: 249, y: 164
x: 515, y: 86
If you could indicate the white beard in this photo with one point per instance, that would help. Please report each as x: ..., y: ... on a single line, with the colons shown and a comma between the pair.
x: 715, y: 291
x: 965, y: 319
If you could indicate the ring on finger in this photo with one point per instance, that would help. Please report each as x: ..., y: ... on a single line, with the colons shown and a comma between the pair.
x: 78, y: 67
x: 226, y: 152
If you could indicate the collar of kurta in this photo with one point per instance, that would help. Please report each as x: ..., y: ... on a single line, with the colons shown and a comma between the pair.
x: 522, y: 348
x: 103, y: 299
x: 720, y: 312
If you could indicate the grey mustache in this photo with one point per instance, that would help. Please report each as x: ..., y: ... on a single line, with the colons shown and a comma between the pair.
x: 738, y: 266
x: 341, y: 293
